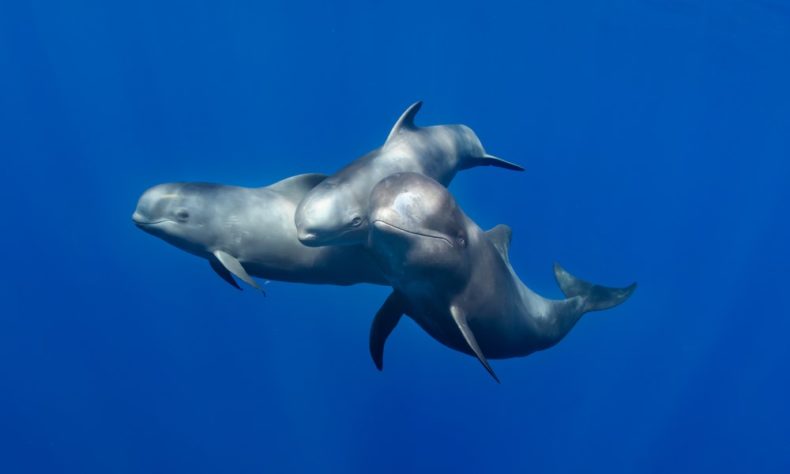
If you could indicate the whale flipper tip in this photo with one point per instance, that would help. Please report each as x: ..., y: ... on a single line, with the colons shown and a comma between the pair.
x: 232, y: 265
x: 490, y: 160
x: 469, y: 336
x: 383, y: 324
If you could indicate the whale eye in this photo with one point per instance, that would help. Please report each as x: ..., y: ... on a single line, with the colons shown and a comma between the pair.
x: 182, y: 215
x: 356, y: 221
x: 461, y: 240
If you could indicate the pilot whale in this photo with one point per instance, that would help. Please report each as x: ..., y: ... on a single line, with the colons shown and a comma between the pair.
x: 334, y: 212
x: 250, y: 232
x: 456, y: 281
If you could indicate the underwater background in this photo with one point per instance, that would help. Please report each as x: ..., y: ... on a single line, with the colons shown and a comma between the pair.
x: 656, y: 141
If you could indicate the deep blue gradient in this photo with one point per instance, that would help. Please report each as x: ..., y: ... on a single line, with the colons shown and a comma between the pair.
x: 656, y: 137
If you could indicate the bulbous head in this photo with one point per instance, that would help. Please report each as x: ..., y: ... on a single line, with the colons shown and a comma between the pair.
x: 417, y: 229
x: 182, y: 214
x: 331, y: 214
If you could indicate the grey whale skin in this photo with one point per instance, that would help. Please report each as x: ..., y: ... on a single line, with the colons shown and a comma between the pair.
x: 456, y: 281
x: 250, y: 232
x: 334, y: 212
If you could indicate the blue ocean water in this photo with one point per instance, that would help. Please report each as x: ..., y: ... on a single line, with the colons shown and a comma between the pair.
x: 656, y: 138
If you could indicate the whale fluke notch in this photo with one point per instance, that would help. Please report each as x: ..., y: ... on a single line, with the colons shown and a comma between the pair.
x: 223, y: 272
x: 460, y: 321
x: 297, y: 186
x: 384, y: 323
x: 490, y: 160
x: 230, y: 263
x: 501, y: 236
x: 406, y: 120
x: 596, y: 297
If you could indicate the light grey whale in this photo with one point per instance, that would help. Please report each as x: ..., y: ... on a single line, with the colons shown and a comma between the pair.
x: 334, y: 212
x: 456, y: 281
x: 250, y: 232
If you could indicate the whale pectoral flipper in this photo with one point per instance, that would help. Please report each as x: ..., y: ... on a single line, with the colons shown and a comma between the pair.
x: 223, y: 272
x: 596, y: 297
x: 490, y: 160
x: 234, y: 266
x: 384, y: 322
x: 460, y: 321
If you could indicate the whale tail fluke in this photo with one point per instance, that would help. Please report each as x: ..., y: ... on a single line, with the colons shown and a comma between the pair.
x: 596, y: 297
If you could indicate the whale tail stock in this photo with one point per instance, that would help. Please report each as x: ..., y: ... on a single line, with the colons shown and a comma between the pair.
x: 595, y: 297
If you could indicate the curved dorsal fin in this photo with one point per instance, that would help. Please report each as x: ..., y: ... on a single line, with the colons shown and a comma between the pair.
x: 406, y: 120
x: 297, y: 186
x: 500, y: 236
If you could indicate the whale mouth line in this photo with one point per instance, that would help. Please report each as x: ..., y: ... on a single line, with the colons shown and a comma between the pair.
x: 141, y: 223
x: 418, y: 234
x: 322, y: 239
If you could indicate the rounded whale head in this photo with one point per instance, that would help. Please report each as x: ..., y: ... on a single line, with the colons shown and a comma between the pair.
x: 416, y: 226
x: 182, y: 214
x: 331, y: 214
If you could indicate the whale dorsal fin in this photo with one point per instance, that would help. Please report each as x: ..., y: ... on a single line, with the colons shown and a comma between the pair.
x: 297, y: 186
x: 406, y: 120
x: 232, y: 265
x: 384, y: 322
x: 460, y: 321
x: 500, y: 236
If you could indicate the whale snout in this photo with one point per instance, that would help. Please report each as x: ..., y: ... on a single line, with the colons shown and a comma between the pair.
x: 387, y: 219
x: 146, y: 224
x: 153, y: 206
x: 382, y: 231
x: 382, y: 226
x: 329, y: 227
x: 140, y: 220
x: 307, y: 238
x: 386, y: 215
x: 320, y: 238
x: 389, y: 230
x: 317, y: 221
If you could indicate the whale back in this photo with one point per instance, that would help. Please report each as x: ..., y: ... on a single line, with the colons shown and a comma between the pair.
x: 295, y: 187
